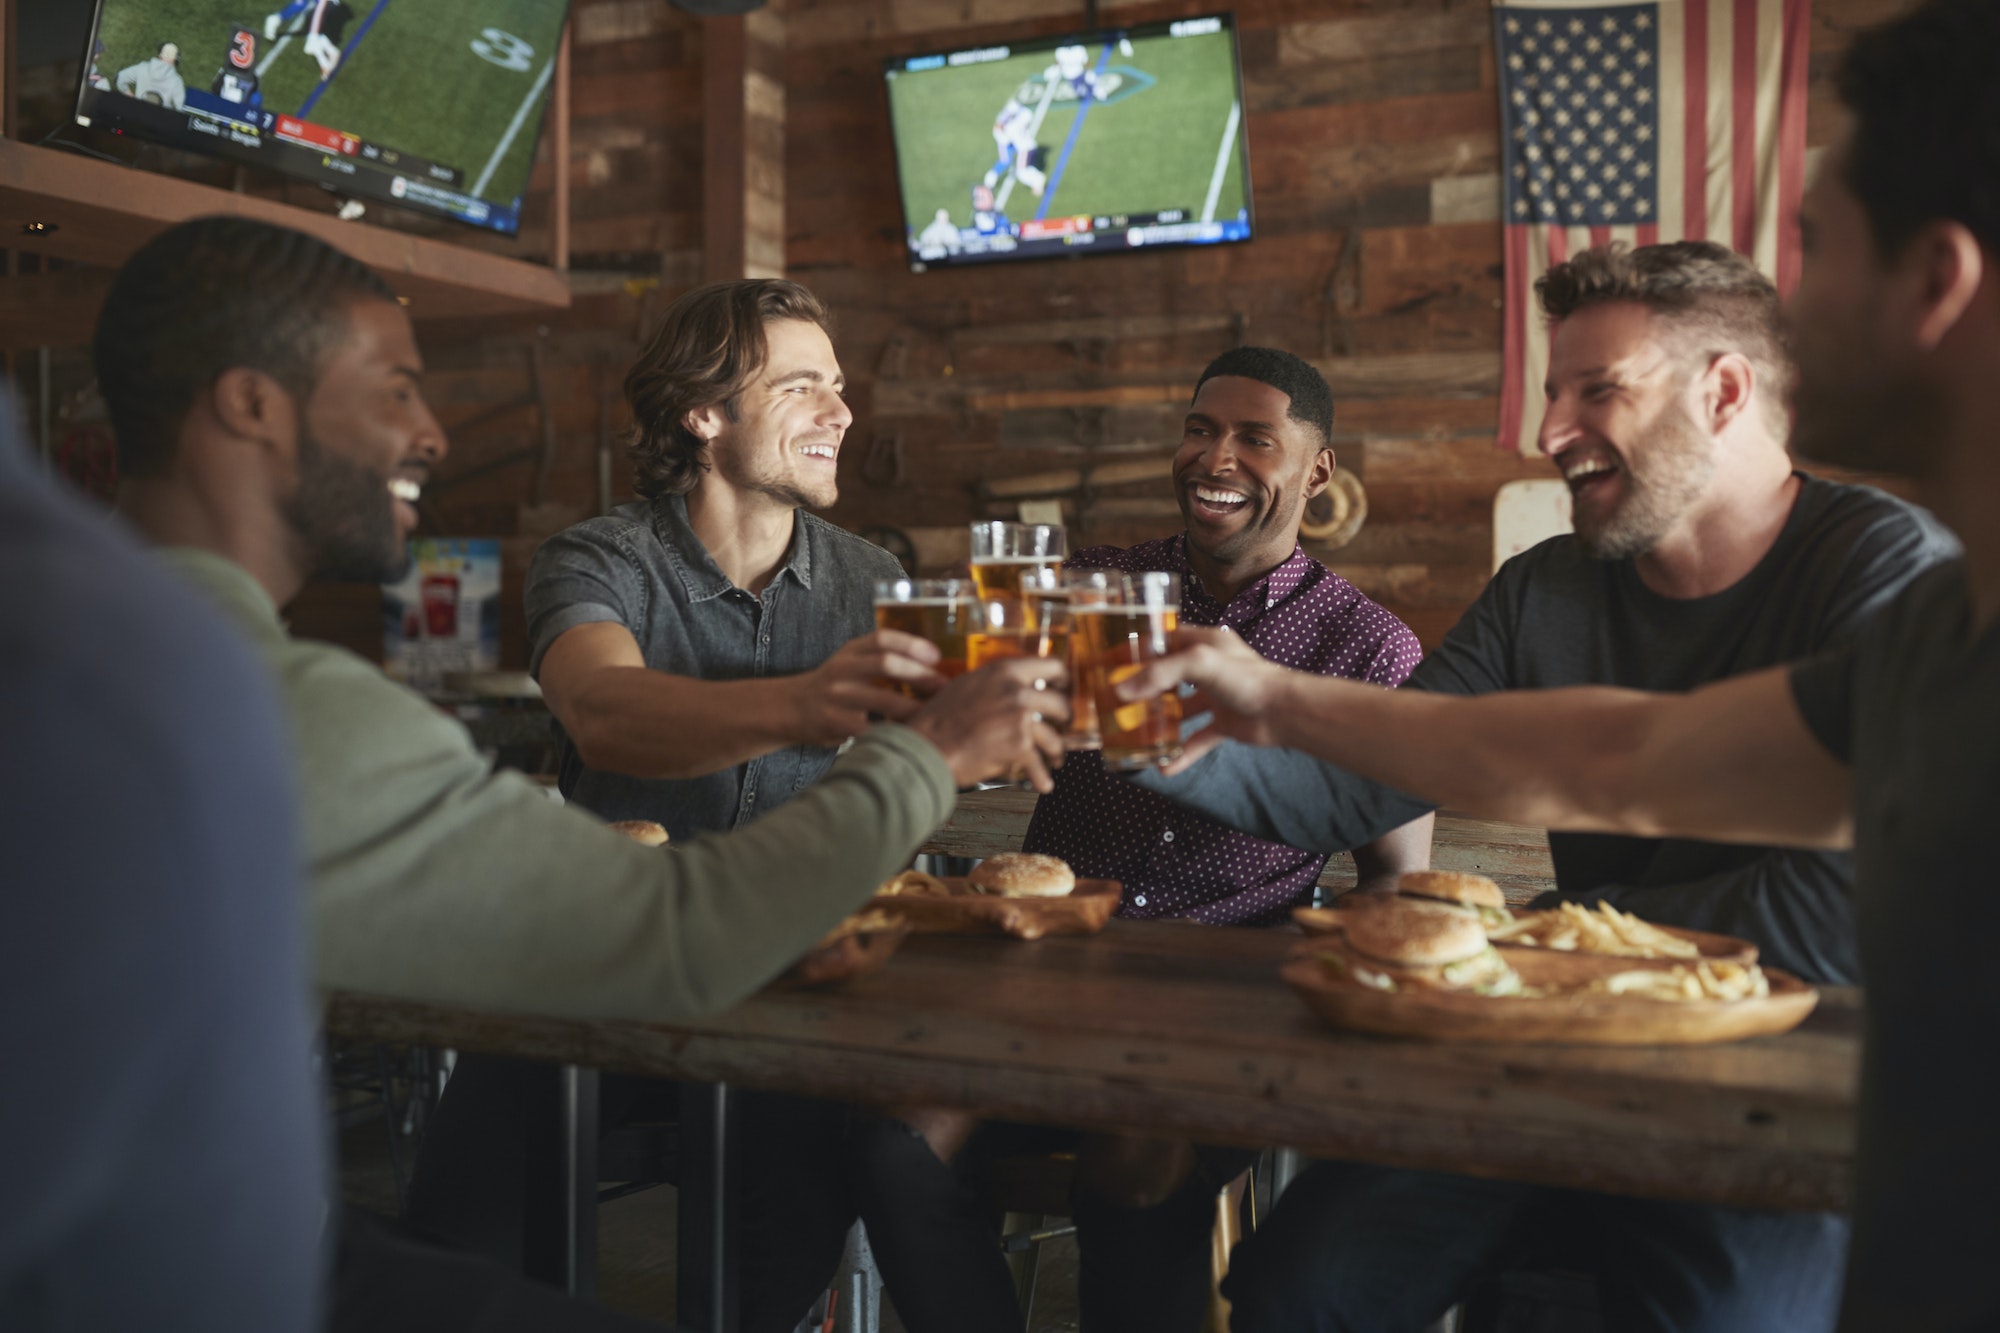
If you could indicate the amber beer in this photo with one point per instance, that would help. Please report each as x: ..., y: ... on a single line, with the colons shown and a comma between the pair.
x: 1118, y: 629
x: 1005, y: 554
x: 944, y: 611
x: 1045, y: 598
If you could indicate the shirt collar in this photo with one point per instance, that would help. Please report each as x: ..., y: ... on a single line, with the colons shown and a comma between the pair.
x: 701, y: 578
x: 1274, y: 587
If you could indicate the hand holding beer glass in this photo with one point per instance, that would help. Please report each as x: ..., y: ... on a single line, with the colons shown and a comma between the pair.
x: 942, y: 611
x: 1120, y: 622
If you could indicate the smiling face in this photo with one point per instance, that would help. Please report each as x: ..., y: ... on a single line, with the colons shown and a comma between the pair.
x: 1245, y: 471
x: 366, y: 443
x: 1620, y: 426
x: 784, y: 442
x: 1861, y: 397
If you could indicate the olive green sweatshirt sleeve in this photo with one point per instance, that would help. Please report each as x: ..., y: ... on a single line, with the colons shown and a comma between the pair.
x: 436, y: 879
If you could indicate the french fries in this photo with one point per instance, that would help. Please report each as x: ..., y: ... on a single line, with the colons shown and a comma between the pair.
x: 1606, y: 930
x: 915, y: 884
x: 865, y: 922
x: 1703, y: 981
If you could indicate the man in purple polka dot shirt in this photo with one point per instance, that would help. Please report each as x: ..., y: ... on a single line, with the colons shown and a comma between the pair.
x: 1256, y: 445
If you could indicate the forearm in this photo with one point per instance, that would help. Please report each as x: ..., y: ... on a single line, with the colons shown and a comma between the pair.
x: 649, y: 724
x: 1378, y: 863
x: 1731, y: 762
x: 1285, y: 796
x: 524, y: 905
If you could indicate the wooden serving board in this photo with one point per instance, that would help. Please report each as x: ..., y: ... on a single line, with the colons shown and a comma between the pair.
x: 849, y: 956
x: 1082, y: 912
x: 1595, y: 1020
x: 1715, y: 948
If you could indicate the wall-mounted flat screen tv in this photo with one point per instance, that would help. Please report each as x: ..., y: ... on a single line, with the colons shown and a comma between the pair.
x: 424, y: 104
x: 1119, y: 140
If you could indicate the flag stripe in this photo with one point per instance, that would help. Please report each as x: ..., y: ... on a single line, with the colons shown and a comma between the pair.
x: 1514, y: 331
x: 1720, y: 180
x: 1743, y: 98
x: 1797, y: 42
x: 1694, y: 85
x: 1673, y: 145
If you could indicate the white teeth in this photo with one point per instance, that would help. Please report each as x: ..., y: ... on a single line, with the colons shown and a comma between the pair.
x: 818, y: 450
x: 405, y: 490
x: 1213, y: 496
x: 1590, y: 469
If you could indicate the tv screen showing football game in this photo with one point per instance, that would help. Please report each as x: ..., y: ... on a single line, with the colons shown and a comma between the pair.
x: 421, y: 103
x: 1118, y: 140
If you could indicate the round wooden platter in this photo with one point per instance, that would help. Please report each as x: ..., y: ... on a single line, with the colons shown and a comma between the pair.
x: 849, y: 956
x: 1714, y: 948
x: 1570, y: 1017
x: 1083, y: 911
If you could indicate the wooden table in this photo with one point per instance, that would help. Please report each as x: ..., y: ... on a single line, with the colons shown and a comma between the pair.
x: 1186, y: 1030
x: 1515, y: 856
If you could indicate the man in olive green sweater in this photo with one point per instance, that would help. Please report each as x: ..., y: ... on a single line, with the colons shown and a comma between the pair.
x: 264, y: 389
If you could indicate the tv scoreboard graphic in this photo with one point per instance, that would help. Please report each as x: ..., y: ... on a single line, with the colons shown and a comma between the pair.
x: 1118, y: 141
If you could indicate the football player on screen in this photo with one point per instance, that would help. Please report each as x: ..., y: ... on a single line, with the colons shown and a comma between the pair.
x: 324, y: 29
x: 1014, y: 138
x: 237, y: 80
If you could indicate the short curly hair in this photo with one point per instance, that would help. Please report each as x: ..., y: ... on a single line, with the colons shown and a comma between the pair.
x: 707, y: 348
x: 1294, y: 377
x: 1712, y: 298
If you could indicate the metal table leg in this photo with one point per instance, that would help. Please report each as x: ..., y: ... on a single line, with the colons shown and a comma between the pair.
x: 579, y: 1150
x: 709, y: 1209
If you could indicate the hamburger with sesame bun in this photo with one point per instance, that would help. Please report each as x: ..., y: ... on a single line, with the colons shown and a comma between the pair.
x: 1473, y: 894
x: 1023, y: 875
x: 1402, y: 944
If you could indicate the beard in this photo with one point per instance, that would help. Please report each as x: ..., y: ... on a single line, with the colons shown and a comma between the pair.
x: 345, y: 519
x: 772, y: 481
x: 1661, y: 482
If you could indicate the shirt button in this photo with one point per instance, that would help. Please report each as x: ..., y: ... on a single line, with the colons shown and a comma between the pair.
x: 1139, y: 901
x: 766, y: 641
x: 1168, y: 836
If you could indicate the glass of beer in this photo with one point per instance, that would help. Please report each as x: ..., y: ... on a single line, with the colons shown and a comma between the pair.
x: 1002, y: 552
x: 944, y: 611
x: 1123, y: 621
x: 1045, y: 599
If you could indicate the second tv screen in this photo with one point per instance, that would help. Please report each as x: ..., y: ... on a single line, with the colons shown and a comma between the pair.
x: 1083, y: 144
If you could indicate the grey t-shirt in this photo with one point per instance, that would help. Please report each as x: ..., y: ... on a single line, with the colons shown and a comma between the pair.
x: 1555, y: 616
x: 642, y: 566
x: 1914, y: 707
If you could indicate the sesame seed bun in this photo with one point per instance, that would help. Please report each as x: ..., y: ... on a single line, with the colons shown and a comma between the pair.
x: 1023, y: 875
x: 1451, y: 886
x: 1415, y: 934
x: 642, y: 831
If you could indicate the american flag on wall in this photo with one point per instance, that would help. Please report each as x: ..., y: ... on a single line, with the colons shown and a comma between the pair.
x: 1663, y: 121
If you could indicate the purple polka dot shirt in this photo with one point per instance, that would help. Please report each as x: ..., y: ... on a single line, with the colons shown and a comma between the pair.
x: 1173, y: 862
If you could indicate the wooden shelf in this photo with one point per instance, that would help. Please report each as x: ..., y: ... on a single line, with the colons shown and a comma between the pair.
x: 101, y: 212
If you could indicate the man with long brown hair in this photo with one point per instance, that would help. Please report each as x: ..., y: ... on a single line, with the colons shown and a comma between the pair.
x: 705, y: 651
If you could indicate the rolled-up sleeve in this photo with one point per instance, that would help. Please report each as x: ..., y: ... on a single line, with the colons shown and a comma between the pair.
x: 582, y: 577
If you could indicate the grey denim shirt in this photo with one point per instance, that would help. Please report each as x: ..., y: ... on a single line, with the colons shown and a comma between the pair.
x: 642, y: 566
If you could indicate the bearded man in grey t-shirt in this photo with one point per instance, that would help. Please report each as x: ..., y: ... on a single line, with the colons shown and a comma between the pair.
x: 1698, y: 554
